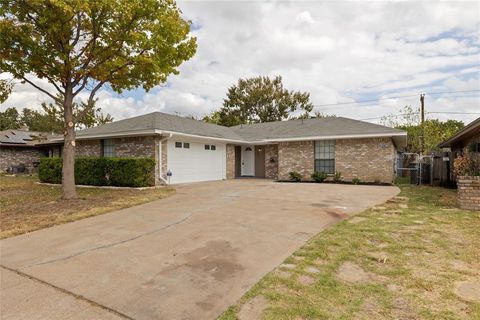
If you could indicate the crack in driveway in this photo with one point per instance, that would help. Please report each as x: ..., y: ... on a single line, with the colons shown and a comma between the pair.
x: 109, y: 245
x: 65, y: 291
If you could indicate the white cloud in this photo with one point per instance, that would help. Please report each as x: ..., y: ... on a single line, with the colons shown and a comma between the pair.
x: 334, y: 50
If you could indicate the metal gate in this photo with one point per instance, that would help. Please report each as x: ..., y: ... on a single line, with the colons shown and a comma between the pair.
x: 414, y: 168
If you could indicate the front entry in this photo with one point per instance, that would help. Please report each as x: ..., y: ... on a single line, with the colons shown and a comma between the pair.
x: 260, y: 161
x: 238, y: 161
x: 248, y: 161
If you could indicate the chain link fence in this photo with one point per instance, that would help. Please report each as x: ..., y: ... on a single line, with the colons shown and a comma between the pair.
x: 414, y: 168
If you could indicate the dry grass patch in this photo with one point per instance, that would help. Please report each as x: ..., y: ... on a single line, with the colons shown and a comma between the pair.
x: 26, y: 206
x: 416, y: 250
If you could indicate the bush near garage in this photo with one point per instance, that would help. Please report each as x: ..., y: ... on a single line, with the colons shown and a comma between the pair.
x: 99, y: 171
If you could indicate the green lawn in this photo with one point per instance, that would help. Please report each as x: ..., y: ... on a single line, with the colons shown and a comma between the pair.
x: 26, y: 205
x: 408, y: 255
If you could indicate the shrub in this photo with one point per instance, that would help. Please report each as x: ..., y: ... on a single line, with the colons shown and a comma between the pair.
x: 50, y: 170
x: 319, y: 176
x: 295, y: 176
x: 337, y: 177
x: 98, y: 171
x: 467, y: 165
x: 355, y: 180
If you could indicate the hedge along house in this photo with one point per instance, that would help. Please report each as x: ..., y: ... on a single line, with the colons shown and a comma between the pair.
x: 193, y: 150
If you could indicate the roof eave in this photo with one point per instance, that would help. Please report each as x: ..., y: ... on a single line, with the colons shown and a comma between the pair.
x: 458, y: 136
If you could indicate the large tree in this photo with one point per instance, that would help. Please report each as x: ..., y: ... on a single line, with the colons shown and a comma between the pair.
x: 259, y: 99
x: 78, y: 46
x: 434, y: 131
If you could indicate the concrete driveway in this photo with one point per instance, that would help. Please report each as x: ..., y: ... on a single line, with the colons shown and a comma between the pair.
x: 185, y: 257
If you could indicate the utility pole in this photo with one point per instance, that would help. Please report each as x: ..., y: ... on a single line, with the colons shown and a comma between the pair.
x: 422, y: 119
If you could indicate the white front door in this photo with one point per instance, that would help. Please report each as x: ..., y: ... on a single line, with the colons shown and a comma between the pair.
x: 248, y: 161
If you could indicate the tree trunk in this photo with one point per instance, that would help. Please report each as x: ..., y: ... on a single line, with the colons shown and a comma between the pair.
x: 68, y: 171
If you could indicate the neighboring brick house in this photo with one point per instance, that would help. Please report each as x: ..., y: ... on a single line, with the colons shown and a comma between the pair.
x: 19, y: 150
x: 467, y: 139
x: 192, y: 150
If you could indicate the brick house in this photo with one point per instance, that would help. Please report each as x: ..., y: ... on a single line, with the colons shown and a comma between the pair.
x: 192, y: 150
x: 466, y: 140
x: 18, y: 148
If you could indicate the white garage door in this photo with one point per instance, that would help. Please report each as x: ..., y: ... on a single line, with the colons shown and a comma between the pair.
x: 192, y: 161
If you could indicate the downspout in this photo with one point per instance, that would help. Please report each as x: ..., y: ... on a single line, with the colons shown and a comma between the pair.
x: 160, y: 161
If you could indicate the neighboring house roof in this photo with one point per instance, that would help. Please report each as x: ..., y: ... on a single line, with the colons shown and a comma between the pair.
x: 20, y: 138
x: 316, y: 128
x: 473, y: 128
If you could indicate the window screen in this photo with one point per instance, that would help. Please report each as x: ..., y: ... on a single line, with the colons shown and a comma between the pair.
x: 325, y: 156
x: 108, y: 148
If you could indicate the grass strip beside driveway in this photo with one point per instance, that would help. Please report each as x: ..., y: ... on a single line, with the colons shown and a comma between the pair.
x: 416, y: 257
x: 26, y: 206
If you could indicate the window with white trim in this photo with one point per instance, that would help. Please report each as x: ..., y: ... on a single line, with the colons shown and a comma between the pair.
x: 325, y: 156
x: 213, y: 147
x: 178, y: 144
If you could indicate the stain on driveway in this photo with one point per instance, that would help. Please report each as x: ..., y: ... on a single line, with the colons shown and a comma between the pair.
x: 185, y: 257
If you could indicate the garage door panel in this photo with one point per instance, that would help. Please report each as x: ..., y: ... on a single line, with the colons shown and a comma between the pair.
x: 195, y: 163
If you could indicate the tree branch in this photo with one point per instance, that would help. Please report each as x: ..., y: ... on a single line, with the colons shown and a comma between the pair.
x: 89, y: 105
x: 53, y: 83
x: 77, y: 36
x: 42, y: 90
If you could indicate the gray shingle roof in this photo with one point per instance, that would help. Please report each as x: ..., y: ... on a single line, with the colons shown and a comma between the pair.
x: 317, y: 127
x: 162, y: 121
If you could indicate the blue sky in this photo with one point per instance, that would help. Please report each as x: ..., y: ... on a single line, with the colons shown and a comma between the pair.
x: 337, y: 51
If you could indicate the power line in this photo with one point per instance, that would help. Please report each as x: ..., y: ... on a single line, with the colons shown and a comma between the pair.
x: 413, y: 113
x: 389, y: 98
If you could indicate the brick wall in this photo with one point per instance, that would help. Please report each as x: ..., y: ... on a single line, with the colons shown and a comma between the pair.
x: 14, y: 156
x: 271, y: 161
x: 88, y: 148
x: 295, y: 156
x: 230, y: 161
x: 370, y: 160
x: 139, y: 147
x: 143, y: 147
x: 468, y: 192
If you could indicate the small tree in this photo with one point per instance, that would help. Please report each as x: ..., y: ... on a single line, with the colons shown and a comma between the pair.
x: 82, y: 45
x: 259, y: 99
